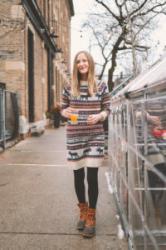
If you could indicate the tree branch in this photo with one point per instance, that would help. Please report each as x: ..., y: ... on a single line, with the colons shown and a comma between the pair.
x: 143, y: 26
x: 108, y: 9
x: 139, y: 8
x: 152, y: 9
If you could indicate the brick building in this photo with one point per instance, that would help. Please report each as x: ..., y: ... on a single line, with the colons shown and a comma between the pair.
x: 35, y: 55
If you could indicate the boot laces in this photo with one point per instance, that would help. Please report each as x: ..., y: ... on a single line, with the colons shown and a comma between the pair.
x: 90, y: 220
x: 83, y: 211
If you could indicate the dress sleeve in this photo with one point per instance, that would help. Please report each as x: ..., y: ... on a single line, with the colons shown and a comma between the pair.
x: 105, y: 103
x: 65, y: 98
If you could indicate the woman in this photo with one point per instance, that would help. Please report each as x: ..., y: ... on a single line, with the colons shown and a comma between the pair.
x: 90, y: 100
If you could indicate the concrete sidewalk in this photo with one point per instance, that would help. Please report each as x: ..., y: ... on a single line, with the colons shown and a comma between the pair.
x: 38, y: 207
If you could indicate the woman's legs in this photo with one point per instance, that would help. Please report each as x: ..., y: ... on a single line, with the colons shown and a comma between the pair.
x: 79, y: 176
x: 87, y: 220
x: 92, y: 179
x: 90, y: 225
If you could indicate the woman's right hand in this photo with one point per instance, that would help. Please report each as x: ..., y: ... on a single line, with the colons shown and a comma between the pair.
x: 67, y: 112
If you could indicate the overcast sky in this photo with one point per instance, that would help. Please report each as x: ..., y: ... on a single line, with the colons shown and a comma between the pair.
x: 79, y: 40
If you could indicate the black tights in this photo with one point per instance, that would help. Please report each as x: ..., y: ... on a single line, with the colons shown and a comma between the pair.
x: 92, y: 179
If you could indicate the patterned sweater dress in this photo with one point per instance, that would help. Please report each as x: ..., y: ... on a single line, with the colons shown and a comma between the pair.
x: 85, y: 143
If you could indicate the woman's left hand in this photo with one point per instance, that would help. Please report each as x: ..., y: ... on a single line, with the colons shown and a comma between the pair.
x: 93, y: 119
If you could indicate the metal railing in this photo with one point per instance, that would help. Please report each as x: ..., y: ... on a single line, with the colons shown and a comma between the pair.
x: 9, y: 116
x: 137, y: 148
x: 2, y: 117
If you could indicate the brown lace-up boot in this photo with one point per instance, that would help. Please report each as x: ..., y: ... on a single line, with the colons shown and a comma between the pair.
x: 83, y: 213
x: 90, y: 225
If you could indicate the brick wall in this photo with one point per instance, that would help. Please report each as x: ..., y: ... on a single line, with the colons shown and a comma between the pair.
x: 12, y: 65
x: 14, y: 25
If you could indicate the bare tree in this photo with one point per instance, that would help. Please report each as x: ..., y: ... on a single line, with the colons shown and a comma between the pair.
x: 122, y: 25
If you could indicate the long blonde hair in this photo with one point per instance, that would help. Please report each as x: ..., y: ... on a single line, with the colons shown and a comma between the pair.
x: 76, y: 77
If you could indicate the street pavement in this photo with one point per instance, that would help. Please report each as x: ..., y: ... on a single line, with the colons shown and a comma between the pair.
x: 38, y: 205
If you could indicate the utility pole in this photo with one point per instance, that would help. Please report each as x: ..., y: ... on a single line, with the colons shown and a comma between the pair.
x: 90, y: 46
x: 133, y: 49
x: 133, y: 42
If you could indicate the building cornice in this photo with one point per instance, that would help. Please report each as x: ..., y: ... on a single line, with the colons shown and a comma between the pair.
x: 34, y: 14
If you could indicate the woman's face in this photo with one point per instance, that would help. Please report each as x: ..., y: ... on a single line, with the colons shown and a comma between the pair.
x: 82, y: 64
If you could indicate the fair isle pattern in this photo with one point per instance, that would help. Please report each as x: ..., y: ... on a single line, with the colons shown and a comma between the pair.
x: 85, y: 143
